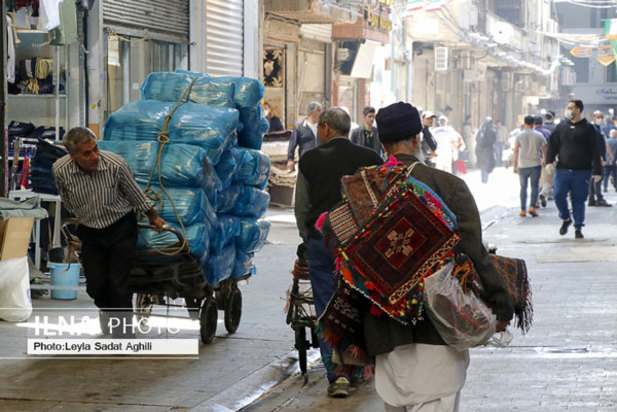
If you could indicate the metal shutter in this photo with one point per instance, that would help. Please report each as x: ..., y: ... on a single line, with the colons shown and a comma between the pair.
x: 224, y: 37
x: 166, y: 20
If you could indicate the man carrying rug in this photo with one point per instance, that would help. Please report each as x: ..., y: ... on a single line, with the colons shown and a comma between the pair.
x: 318, y: 189
x: 415, y: 369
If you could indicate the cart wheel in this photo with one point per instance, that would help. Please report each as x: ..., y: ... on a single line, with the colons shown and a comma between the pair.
x: 233, y: 310
x: 144, y: 303
x: 301, y: 346
x: 208, y: 320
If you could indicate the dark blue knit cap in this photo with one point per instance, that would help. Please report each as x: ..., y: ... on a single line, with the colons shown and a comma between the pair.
x: 399, y: 121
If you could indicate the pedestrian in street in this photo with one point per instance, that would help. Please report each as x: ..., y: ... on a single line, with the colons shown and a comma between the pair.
x: 610, y: 168
x: 595, y: 185
x: 415, y: 370
x: 366, y: 134
x: 485, y: 148
x: 274, y: 122
x: 539, y: 127
x: 318, y: 189
x: 428, y: 143
x: 529, y: 152
x: 501, y: 142
x: 608, y: 125
x: 99, y: 189
x: 468, y: 137
x: 448, y: 141
x: 549, y: 121
x: 574, y: 144
x: 304, y: 134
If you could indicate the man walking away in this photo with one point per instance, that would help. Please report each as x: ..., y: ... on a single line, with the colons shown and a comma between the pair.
x: 595, y: 185
x: 502, y: 141
x: 99, y: 189
x: 318, y: 189
x: 485, y: 148
x: 529, y: 152
x: 304, y: 134
x: 574, y: 145
x: 539, y: 127
x: 549, y: 122
x: 610, y: 169
x: 428, y: 145
x: 366, y: 135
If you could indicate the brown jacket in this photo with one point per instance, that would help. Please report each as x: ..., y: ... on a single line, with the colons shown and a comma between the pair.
x: 383, y: 334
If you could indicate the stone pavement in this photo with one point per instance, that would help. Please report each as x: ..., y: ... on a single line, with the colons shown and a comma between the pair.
x: 568, y: 361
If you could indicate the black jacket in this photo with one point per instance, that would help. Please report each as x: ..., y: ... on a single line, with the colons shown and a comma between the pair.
x: 575, y: 145
x: 323, y: 168
x: 358, y: 137
x: 301, y: 136
x: 383, y: 334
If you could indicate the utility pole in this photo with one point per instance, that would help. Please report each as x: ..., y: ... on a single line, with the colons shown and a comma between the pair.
x: 4, y: 139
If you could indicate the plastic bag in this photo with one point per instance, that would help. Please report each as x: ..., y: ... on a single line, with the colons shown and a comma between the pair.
x: 197, y: 235
x: 252, y: 202
x: 461, y: 319
x: 244, y: 265
x: 211, y: 91
x: 253, y: 235
x: 227, y: 168
x: 212, y: 128
x: 15, y: 303
x: 190, y: 204
x: 164, y: 86
x: 225, y: 232
x: 253, y: 167
x: 182, y: 164
x: 220, y: 266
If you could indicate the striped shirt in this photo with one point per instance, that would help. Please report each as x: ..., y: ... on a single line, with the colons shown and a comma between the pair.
x: 102, y: 198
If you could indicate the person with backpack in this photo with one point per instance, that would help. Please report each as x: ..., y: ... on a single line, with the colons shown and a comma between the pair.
x: 485, y: 148
x: 415, y: 369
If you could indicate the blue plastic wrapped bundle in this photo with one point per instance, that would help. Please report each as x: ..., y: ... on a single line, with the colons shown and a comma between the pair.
x: 227, y: 199
x: 227, y: 230
x: 220, y: 266
x: 190, y: 203
x: 206, y: 90
x: 197, y: 235
x: 183, y: 164
x: 227, y: 167
x: 165, y: 86
x: 248, y: 93
x: 253, y: 127
x: 244, y: 265
x: 253, y: 167
x: 253, y: 235
x: 210, y: 127
x: 190, y: 73
x: 251, y: 202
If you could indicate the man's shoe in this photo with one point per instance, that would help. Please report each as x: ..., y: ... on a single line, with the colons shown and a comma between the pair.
x: 532, y: 212
x: 578, y: 234
x: 603, y: 203
x: 543, y: 200
x: 522, y: 214
x: 339, y: 388
x: 564, y: 226
x: 591, y: 203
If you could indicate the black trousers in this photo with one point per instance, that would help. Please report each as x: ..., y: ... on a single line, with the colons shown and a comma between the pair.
x: 106, y: 256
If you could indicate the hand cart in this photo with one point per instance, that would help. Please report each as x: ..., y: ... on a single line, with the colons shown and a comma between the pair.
x: 301, y: 312
x: 159, y: 276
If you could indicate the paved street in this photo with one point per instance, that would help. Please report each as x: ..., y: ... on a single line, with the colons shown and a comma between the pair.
x: 567, y: 362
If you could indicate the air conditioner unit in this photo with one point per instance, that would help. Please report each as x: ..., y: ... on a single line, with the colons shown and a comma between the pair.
x: 441, y: 58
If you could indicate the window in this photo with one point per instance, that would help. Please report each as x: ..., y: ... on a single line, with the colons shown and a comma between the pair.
x: 131, y: 59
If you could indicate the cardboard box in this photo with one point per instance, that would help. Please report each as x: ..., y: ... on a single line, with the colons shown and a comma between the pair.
x: 15, y: 237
